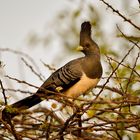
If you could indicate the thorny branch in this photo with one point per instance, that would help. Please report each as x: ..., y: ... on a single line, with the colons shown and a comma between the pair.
x: 100, y: 118
x: 71, y: 125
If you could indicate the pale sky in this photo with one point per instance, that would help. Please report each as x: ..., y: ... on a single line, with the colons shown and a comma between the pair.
x: 19, y: 17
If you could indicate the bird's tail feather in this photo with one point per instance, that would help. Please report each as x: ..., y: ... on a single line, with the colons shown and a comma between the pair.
x: 15, y: 109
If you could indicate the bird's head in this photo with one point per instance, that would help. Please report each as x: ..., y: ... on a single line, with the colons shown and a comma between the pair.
x: 87, y: 45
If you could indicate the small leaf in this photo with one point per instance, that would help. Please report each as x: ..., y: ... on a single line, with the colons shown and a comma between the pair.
x: 90, y: 113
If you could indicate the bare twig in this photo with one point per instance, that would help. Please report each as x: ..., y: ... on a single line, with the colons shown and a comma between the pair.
x: 121, y: 15
x: 113, y: 89
x: 11, y: 129
x: 115, y: 70
x: 135, y: 43
x: 132, y: 71
x: 21, y: 81
x: 40, y: 76
x: 115, y: 74
x: 66, y: 124
x: 3, y: 92
x: 124, y: 65
x: 21, y: 54
x: 48, y: 66
x: 19, y: 90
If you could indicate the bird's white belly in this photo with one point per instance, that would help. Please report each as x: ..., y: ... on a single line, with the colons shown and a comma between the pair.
x: 83, y: 85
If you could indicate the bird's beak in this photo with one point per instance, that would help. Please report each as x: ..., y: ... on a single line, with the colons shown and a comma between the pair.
x: 80, y: 48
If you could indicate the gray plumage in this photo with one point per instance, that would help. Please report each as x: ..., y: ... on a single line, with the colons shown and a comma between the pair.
x: 73, y: 79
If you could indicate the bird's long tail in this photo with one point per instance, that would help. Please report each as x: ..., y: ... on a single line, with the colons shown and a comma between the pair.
x: 15, y: 109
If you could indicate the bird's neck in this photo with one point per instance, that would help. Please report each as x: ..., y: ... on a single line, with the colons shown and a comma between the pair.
x: 92, y: 66
x: 93, y: 55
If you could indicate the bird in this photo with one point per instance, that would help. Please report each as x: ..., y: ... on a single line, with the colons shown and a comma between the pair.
x: 75, y: 78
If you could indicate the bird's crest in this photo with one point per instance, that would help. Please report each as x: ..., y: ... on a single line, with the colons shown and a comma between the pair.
x: 86, y: 28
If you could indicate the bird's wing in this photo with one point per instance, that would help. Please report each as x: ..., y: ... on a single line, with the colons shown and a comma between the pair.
x: 64, y: 78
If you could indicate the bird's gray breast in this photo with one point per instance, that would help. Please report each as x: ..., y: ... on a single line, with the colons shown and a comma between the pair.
x: 92, y: 67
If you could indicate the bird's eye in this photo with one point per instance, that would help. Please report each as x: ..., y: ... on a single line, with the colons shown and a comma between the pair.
x: 87, y: 45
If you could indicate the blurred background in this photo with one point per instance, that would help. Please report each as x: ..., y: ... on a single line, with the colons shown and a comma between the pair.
x: 44, y: 34
x: 47, y: 32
